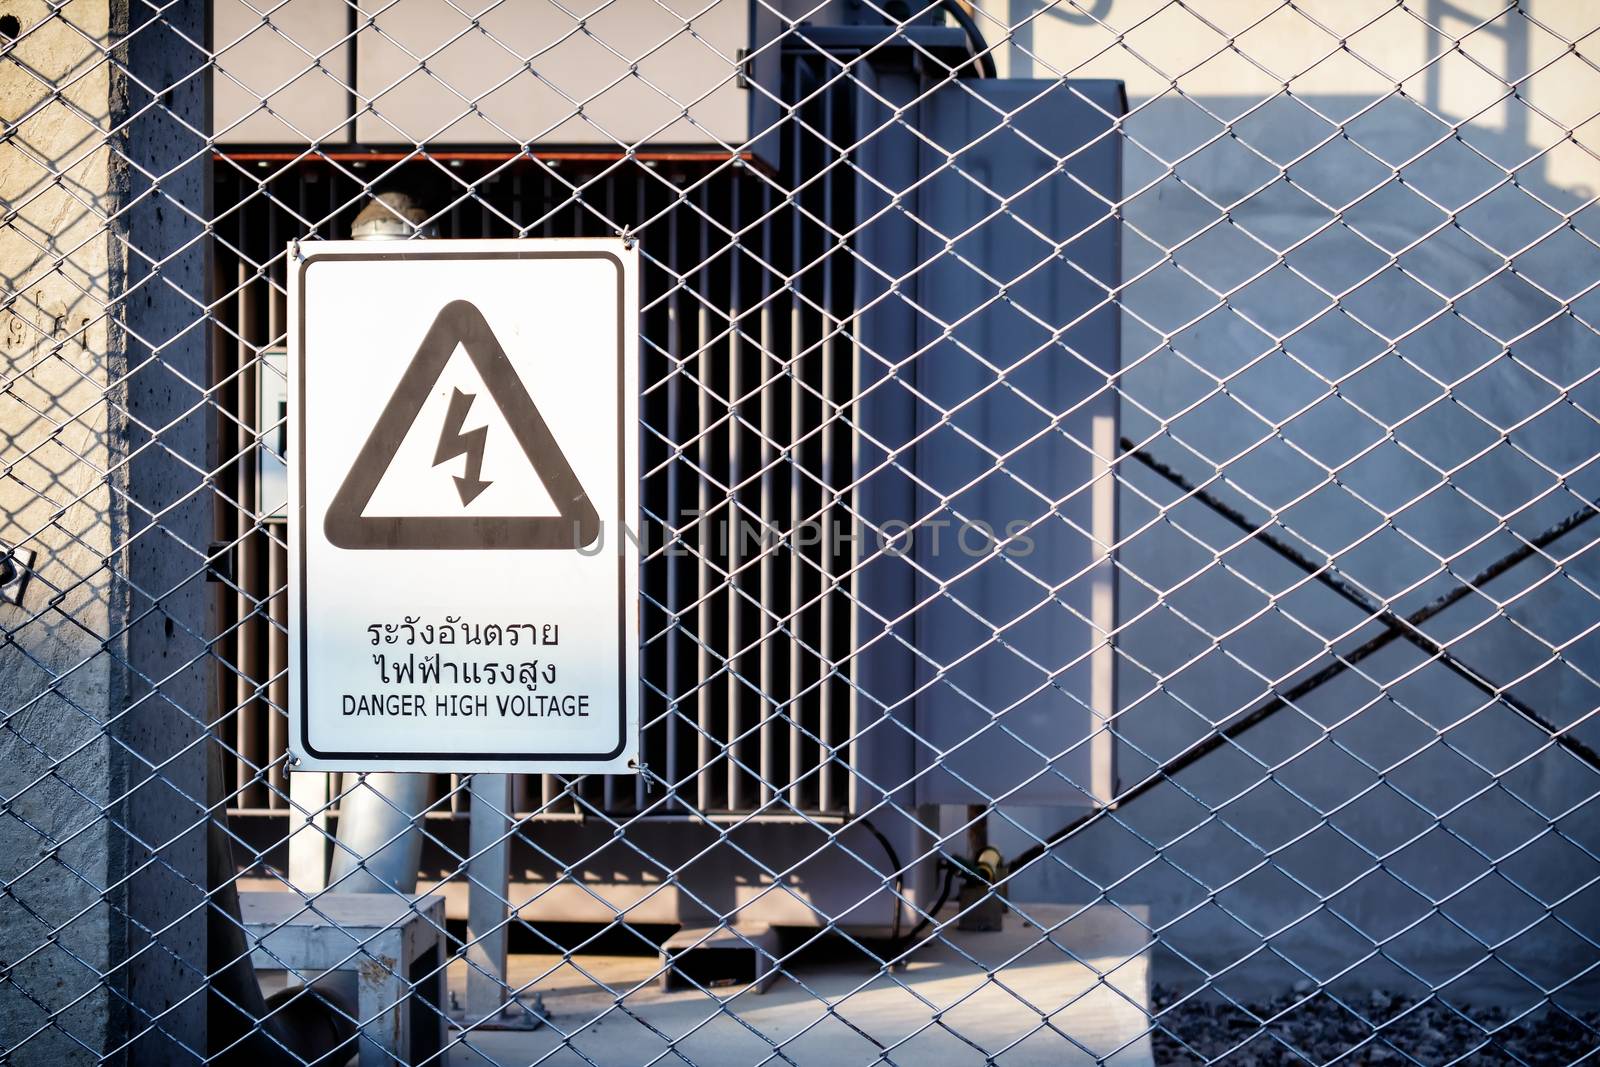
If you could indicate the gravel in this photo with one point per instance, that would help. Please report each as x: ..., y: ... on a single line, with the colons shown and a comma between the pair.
x: 1367, y: 1028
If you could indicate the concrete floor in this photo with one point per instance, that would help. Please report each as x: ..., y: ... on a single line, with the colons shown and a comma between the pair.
x: 1073, y: 999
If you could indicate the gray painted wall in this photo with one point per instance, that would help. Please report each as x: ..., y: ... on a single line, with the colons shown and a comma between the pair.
x: 1402, y: 404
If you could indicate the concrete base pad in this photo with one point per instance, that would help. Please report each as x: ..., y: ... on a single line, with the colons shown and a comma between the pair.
x: 1076, y: 996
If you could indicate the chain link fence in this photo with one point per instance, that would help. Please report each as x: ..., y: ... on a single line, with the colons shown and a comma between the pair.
x: 1115, y: 498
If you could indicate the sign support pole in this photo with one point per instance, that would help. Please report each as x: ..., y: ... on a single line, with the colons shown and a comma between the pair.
x: 308, y: 840
x: 488, y: 891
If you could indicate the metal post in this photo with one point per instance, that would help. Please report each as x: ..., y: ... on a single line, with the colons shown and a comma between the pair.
x: 488, y: 884
x: 308, y: 841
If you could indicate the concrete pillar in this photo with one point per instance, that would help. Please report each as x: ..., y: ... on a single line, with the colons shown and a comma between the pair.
x: 102, y: 477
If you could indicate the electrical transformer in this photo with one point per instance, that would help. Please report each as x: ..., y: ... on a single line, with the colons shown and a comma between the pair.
x: 879, y: 303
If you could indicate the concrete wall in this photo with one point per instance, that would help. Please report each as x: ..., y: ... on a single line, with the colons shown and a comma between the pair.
x: 55, y: 761
x: 1370, y: 812
x: 101, y: 840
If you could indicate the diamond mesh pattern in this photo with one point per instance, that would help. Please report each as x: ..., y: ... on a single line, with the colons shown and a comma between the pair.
x: 1153, y: 438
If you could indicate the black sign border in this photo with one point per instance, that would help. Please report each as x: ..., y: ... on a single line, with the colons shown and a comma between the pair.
x: 377, y: 761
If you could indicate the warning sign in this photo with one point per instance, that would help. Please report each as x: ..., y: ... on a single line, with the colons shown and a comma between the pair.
x: 460, y: 325
x: 462, y: 506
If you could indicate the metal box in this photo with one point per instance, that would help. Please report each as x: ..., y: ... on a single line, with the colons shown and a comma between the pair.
x: 1019, y: 344
x: 989, y: 403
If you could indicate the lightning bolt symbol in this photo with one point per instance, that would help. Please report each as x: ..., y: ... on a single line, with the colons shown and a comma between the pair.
x: 453, y: 443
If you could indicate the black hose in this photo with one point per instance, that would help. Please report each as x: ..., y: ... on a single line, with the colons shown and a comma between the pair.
x: 899, y: 875
x: 980, y: 47
x: 944, y: 896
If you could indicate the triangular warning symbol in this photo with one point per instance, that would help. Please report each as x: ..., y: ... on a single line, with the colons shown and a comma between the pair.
x: 461, y: 323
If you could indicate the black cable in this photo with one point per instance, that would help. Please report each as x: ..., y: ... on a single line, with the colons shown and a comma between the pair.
x: 980, y: 47
x: 899, y: 875
x: 944, y: 895
x: 899, y: 943
x: 1409, y: 624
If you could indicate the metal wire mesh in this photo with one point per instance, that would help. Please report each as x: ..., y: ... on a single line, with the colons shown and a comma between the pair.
x: 1116, y: 493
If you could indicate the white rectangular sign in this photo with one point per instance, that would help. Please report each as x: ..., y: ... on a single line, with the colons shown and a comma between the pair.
x: 463, y: 487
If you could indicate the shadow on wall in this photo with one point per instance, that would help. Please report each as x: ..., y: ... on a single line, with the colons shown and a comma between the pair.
x: 56, y: 671
x: 1380, y: 337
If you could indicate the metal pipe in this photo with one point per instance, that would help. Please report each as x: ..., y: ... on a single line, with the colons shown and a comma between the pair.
x: 379, y: 844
